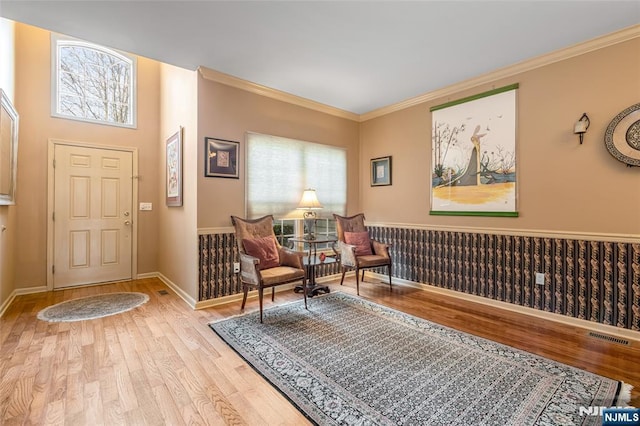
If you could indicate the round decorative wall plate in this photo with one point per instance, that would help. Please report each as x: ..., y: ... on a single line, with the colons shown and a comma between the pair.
x: 622, y: 137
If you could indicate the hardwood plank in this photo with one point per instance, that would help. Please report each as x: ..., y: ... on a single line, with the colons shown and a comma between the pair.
x: 108, y: 385
x: 144, y: 394
x: 58, y: 386
x: 93, y: 410
x: 55, y: 413
x: 74, y: 403
x: 18, y: 403
x: 127, y: 394
x: 166, y: 405
x: 207, y: 397
x: 40, y: 390
x: 161, y: 363
x: 113, y: 413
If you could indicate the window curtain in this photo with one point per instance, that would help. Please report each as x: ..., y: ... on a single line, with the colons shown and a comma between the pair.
x: 280, y: 169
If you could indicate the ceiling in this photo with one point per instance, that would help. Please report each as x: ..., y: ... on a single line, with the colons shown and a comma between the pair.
x: 357, y: 56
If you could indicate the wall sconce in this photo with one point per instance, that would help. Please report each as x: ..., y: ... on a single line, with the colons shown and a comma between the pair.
x: 309, y: 202
x: 581, y: 126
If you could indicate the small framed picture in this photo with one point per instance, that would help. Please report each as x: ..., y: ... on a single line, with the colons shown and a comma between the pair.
x: 381, y: 171
x: 174, y: 169
x: 221, y: 158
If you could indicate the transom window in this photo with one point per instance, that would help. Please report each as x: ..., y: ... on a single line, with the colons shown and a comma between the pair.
x: 92, y: 83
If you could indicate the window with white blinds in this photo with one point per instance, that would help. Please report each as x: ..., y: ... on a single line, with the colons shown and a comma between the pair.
x: 280, y: 169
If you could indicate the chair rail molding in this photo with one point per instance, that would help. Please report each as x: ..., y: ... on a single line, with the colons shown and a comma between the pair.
x: 217, y: 230
x: 540, y: 233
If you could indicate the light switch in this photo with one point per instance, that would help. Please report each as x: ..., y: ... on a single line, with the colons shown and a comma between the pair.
x: 146, y: 206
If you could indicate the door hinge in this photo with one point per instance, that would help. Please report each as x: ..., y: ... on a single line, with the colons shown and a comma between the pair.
x: 53, y: 216
x: 53, y: 269
x: 54, y: 163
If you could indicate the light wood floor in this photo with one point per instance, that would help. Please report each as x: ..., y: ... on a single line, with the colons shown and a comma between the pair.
x: 161, y: 364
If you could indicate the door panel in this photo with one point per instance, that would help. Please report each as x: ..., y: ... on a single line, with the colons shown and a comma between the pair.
x: 92, y: 226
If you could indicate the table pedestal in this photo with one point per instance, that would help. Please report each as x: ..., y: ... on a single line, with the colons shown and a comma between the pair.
x: 311, y: 261
x: 313, y: 289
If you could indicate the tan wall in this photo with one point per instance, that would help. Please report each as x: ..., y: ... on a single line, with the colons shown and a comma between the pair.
x: 8, y: 218
x: 562, y: 185
x: 228, y: 113
x: 177, y: 233
x: 33, y: 92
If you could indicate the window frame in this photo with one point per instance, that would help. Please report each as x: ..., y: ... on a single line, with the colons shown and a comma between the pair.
x: 283, y: 239
x: 58, y: 41
x: 298, y: 232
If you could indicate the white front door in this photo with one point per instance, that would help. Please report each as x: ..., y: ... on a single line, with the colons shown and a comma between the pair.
x: 92, y: 215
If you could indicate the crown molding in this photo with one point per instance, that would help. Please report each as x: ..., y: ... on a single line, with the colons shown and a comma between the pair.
x: 527, y: 65
x: 258, y: 89
x: 616, y: 37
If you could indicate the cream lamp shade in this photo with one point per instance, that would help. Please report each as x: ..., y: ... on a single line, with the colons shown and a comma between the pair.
x: 309, y: 202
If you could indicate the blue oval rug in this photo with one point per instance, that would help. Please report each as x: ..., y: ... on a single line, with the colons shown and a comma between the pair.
x: 92, y: 307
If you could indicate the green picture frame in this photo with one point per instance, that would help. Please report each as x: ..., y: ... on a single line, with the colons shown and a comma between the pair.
x: 473, y: 162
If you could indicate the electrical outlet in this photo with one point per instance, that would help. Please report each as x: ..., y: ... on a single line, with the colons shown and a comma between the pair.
x: 539, y: 278
x: 236, y: 267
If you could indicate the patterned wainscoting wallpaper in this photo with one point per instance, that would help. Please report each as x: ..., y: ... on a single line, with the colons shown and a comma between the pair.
x: 593, y: 280
x: 217, y: 254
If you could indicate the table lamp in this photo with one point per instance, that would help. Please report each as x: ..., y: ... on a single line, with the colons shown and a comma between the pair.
x: 309, y: 202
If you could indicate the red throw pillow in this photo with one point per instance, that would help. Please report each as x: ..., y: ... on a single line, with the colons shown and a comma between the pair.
x: 360, y: 240
x: 263, y: 248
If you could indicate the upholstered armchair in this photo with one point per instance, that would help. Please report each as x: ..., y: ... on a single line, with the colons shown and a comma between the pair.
x: 264, y: 262
x: 357, y: 250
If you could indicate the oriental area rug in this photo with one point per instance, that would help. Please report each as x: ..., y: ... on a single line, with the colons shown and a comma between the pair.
x: 353, y: 362
x: 92, y: 307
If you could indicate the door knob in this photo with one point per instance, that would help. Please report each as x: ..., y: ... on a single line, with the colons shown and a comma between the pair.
x: 127, y: 222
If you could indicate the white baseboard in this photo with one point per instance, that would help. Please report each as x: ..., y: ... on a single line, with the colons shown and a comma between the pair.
x: 173, y: 286
x: 238, y: 297
x: 31, y: 290
x: 147, y: 275
x: 7, y: 303
x: 254, y: 293
x: 611, y: 330
x: 20, y: 292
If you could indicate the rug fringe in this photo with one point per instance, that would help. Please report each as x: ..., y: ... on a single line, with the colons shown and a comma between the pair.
x: 624, y: 397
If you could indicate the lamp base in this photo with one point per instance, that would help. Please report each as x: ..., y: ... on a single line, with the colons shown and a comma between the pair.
x: 310, y: 225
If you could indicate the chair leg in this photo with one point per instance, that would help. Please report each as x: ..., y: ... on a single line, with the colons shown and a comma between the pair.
x: 357, y: 282
x: 362, y: 279
x: 344, y: 271
x: 260, y: 294
x: 244, y: 298
x: 389, y: 267
x: 304, y: 291
x: 273, y: 294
